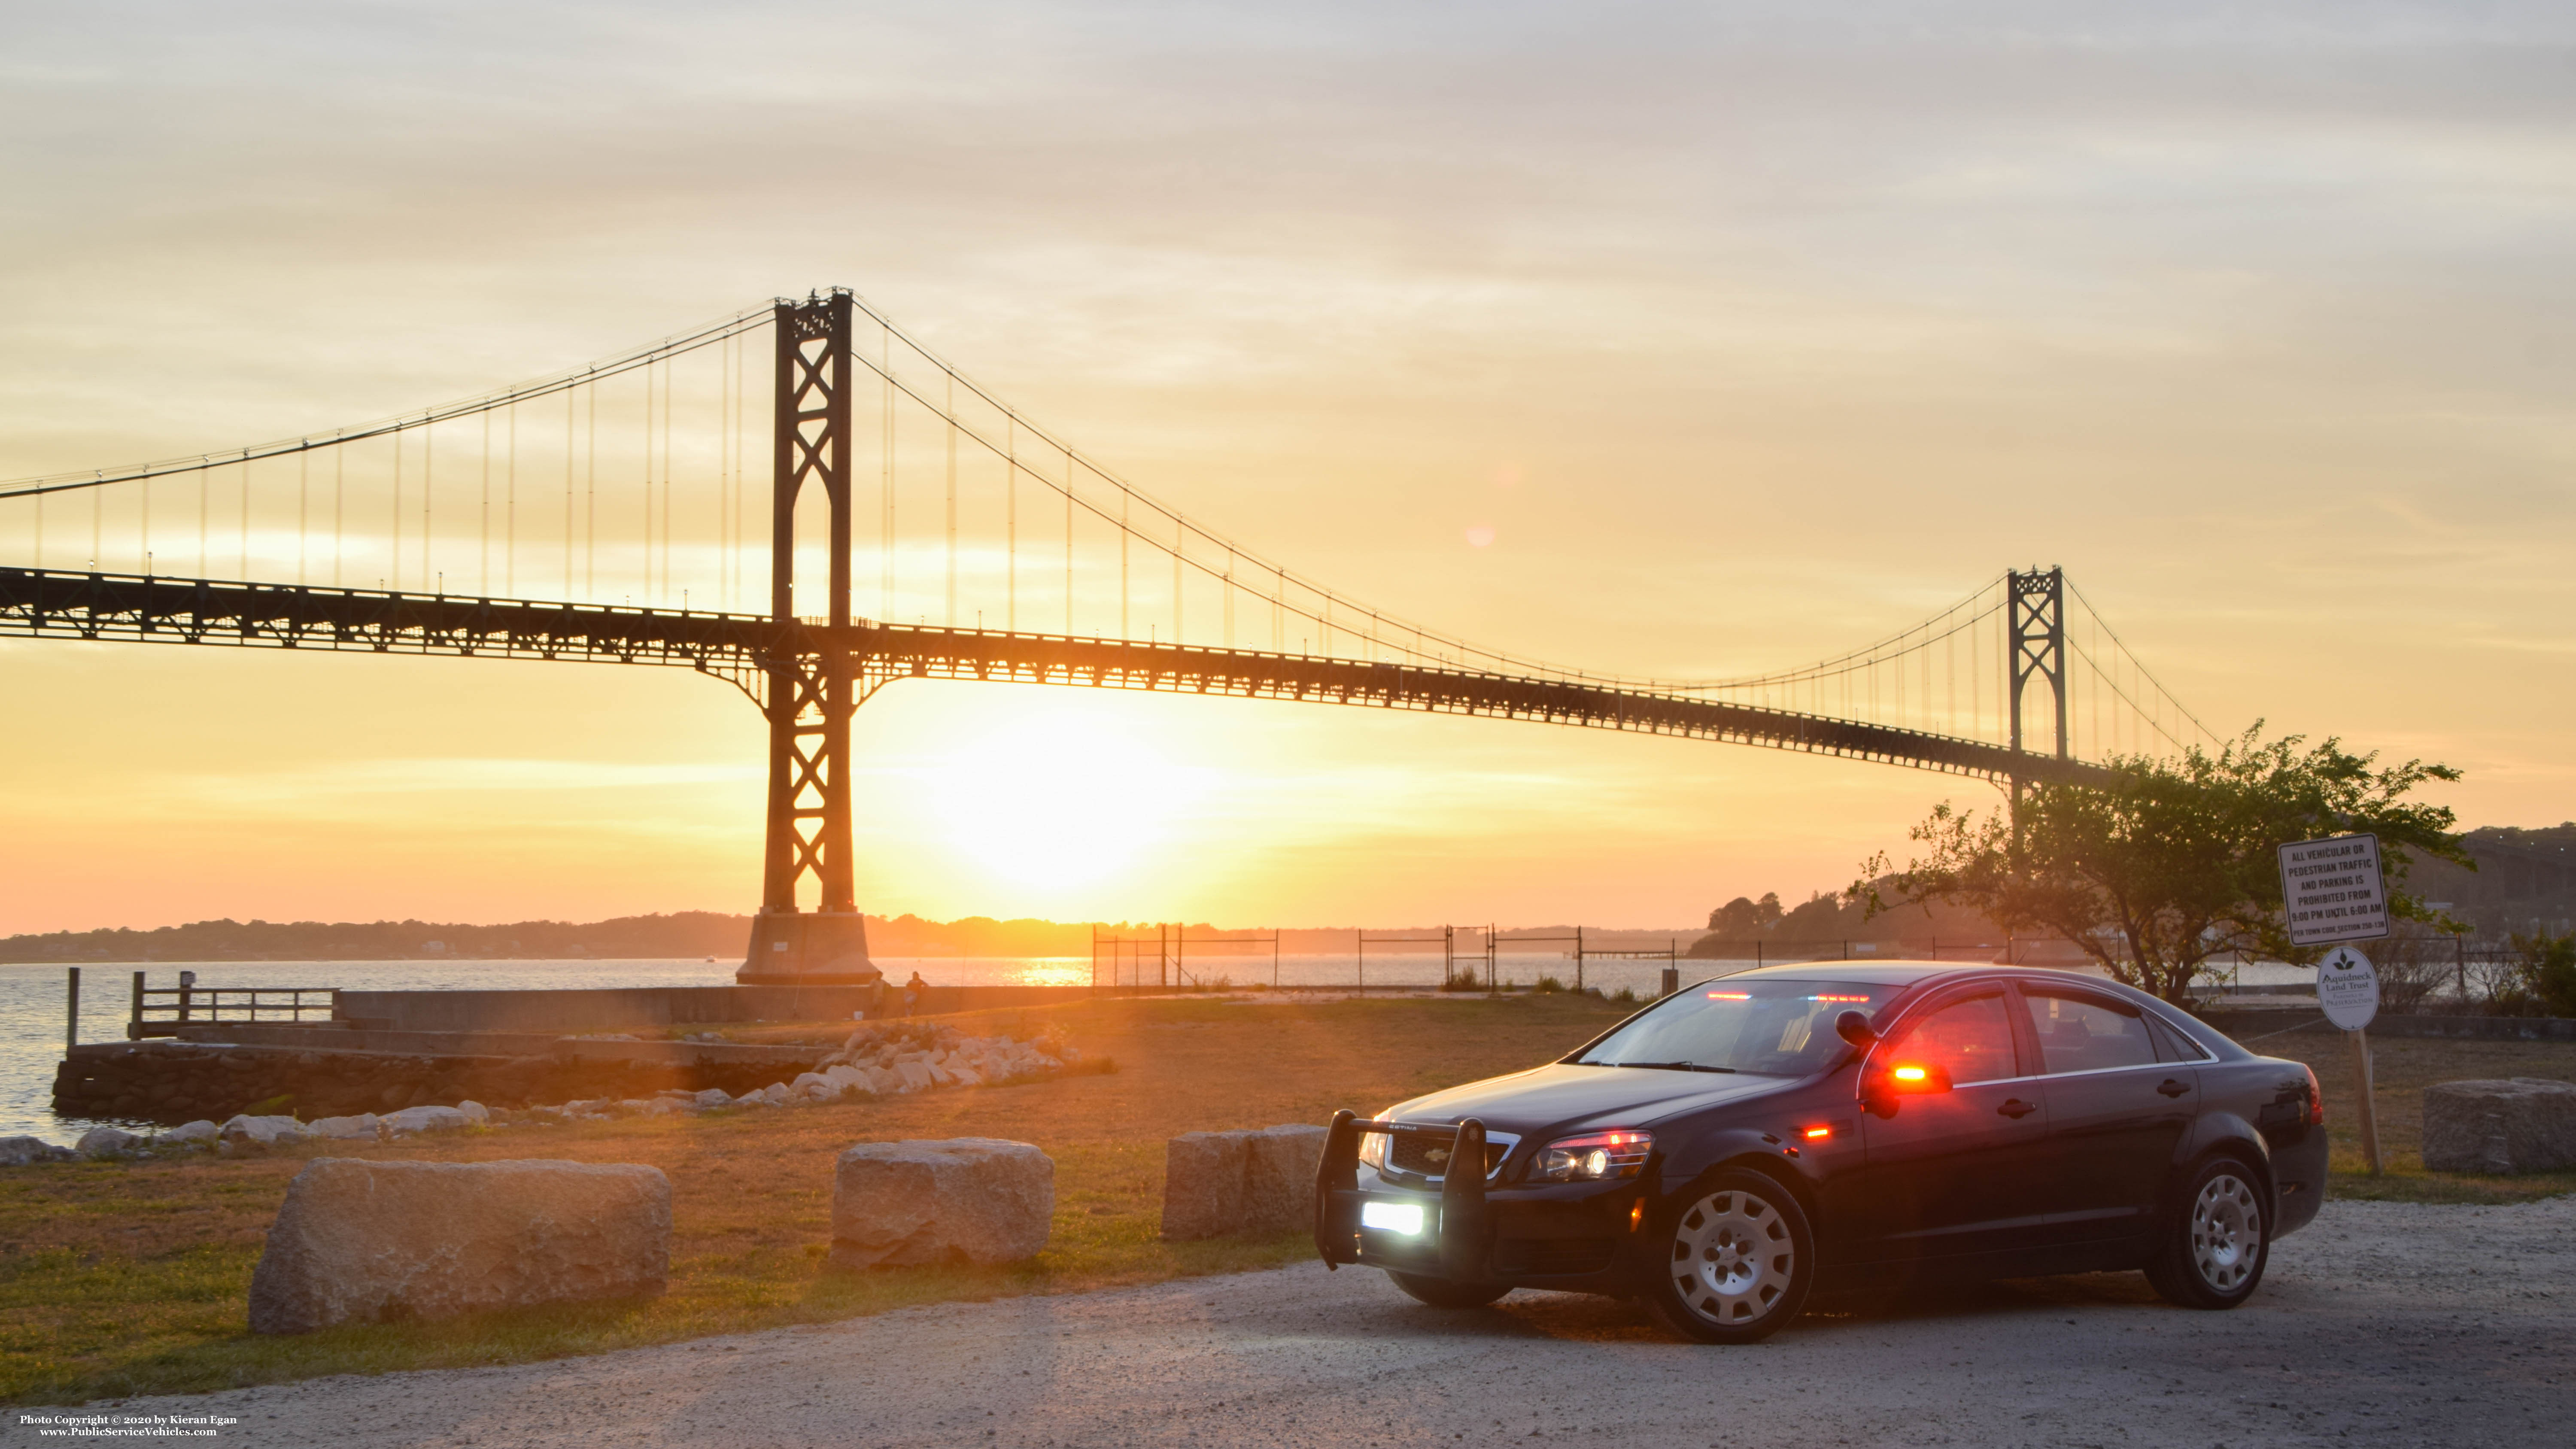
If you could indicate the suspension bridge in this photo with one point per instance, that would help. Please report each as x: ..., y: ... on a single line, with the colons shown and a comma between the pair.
x: 638, y: 477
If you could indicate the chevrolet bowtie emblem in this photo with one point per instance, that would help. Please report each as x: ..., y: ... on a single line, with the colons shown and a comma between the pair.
x: 1436, y: 1155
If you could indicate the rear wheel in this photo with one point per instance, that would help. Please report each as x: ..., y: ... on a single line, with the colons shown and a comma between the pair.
x: 2217, y: 1240
x: 1442, y: 1293
x: 1737, y: 1261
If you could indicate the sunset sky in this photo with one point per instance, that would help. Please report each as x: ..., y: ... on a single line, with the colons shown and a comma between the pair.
x: 1677, y: 340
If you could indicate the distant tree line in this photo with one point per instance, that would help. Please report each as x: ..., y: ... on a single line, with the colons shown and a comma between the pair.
x: 680, y: 934
x: 1824, y: 919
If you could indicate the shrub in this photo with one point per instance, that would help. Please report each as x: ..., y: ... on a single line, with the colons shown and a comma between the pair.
x: 2544, y: 977
x: 1548, y: 983
x: 1463, y: 981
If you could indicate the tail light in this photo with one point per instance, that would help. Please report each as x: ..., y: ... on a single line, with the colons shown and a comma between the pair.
x: 2316, y: 1099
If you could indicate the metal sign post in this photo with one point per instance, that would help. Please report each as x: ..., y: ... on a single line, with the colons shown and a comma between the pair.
x: 2348, y: 989
x: 2332, y: 891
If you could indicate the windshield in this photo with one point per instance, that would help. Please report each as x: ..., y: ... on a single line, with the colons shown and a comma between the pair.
x: 1772, y: 1028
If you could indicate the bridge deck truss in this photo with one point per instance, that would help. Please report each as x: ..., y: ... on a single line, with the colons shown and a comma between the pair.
x: 744, y: 648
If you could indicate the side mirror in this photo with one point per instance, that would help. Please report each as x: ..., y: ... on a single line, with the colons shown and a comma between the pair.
x: 1853, y: 1027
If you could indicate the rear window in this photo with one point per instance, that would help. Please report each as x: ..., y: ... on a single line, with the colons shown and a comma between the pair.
x: 2086, y: 1034
x: 1770, y: 1028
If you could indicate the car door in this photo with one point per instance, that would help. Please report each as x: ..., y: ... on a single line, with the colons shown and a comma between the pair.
x: 2118, y: 1108
x: 1952, y: 1172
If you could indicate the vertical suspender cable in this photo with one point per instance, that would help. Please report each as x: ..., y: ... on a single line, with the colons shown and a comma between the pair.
x: 510, y: 512
x: 1122, y: 562
x: 143, y: 543
x: 741, y: 443
x: 1068, y: 540
x: 203, y: 483
x: 571, y: 434
x: 428, y: 496
x: 648, y: 484
x: 339, y: 507
x: 97, y: 525
x: 1011, y: 523
x: 1180, y: 541
x: 949, y: 409
x: 303, y: 480
x: 483, y: 555
x: 669, y: 366
x: 724, y: 475
x: 885, y: 476
x: 397, y: 543
x: 590, y: 504
x: 245, y: 516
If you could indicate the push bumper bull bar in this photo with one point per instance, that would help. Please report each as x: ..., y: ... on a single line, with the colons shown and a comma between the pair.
x: 1461, y: 1229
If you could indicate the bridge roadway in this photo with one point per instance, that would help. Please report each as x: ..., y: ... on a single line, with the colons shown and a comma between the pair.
x: 41, y: 603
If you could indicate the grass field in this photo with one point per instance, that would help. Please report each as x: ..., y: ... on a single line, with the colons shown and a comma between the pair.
x: 127, y: 1278
x: 2402, y: 1067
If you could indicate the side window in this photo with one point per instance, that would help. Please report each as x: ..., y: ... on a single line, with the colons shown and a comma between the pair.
x: 2173, y: 1045
x: 1971, y: 1039
x: 2086, y: 1033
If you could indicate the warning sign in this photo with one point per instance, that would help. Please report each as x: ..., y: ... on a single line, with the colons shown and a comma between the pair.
x: 2331, y: 890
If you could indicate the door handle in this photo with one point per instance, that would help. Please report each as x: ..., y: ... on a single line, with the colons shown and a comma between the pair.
x: 2017, y: 1109
x: 2172, y: 1088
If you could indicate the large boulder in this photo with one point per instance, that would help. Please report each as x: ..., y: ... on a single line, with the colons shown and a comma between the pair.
x: 425, y: 1119
x: 2526, y: 1124
x: 108, y: 1142
x: 265, y: 1131
x: 21, y: 1151
x: 964, y: 1200
x: 1217, y: 1184
x: 365, y: 1127
x: 361, y: 1241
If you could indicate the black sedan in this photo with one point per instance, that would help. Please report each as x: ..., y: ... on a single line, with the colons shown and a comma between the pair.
x: 1753, y: 1139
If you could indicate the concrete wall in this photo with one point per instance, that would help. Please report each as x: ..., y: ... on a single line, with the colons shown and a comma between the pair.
x: 171, y: 1082
x: 651, y: 1007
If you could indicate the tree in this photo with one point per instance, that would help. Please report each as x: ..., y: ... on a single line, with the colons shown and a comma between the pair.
x: 2173, y: 860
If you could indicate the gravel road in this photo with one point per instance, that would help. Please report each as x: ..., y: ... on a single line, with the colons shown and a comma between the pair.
x: 2382, y: 1323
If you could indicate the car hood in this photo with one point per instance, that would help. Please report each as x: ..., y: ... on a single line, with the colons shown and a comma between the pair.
x: 1560, y: 1096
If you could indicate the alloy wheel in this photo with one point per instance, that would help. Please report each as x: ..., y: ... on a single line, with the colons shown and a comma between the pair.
x: 2226, y: 1232
x: 1732, y: 1257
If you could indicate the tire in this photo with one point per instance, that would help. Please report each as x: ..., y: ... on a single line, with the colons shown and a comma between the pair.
x: 1737, y: 1258
x: 2217, y: 1238
x: 1442, y: 1293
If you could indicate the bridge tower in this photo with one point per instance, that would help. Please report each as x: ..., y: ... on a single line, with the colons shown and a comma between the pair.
x: 2037, y: 604
x: 810, y: 692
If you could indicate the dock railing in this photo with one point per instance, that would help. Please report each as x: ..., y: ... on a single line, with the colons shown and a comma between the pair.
x: 162, y: 1010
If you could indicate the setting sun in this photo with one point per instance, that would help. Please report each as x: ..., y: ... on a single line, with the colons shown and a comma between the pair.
x: 1060, y: 798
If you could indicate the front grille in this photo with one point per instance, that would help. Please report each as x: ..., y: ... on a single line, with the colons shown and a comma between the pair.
x: 1426, y: 1153
x: 1540, y: 1256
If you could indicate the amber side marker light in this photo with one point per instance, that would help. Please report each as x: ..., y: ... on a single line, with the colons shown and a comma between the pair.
x: 1636, y: 1215
x: 1817, y: 1134
x: 1908, y: 1074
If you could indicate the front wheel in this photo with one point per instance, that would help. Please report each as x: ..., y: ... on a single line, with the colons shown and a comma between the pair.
x: 1737, y: 1260
x: 1442, y: 1293
x: 2218, y: 1240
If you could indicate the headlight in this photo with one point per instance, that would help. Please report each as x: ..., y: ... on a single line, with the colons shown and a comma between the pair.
x: 1373, y: 1145
x: 1593, y: 1157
